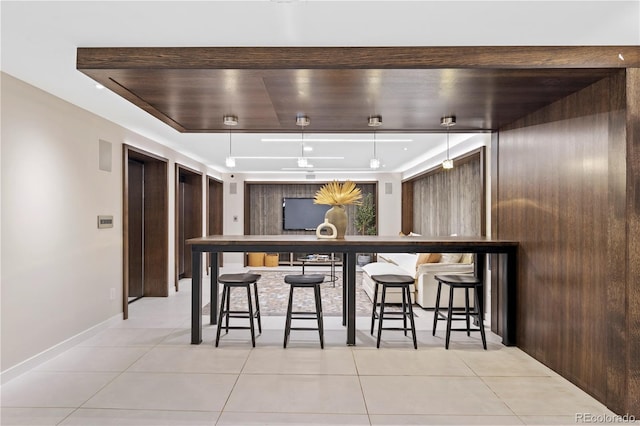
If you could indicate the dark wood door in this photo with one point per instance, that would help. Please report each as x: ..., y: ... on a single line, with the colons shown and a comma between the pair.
x: 184, y: 266
x: 136, y: 229
x: 188, y: 217
x: 214, y: 212
x: 145, y: 220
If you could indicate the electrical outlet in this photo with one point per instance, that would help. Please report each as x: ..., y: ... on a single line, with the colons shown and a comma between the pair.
x: 112, y: 294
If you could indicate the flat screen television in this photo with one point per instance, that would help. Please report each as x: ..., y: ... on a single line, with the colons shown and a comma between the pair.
x: 300, y: 214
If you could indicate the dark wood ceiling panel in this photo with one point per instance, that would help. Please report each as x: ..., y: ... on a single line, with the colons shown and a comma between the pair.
x: 198, y: 99
x: 493, y: 89
x: 389, y: 57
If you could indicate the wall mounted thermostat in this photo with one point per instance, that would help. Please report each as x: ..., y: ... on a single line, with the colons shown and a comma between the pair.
x: 105, y: 222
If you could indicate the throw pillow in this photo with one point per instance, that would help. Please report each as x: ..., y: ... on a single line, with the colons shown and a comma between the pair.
x: 428, y: 258
x: 450, y: 258
x: 434, y: 258
x: 422, y: 258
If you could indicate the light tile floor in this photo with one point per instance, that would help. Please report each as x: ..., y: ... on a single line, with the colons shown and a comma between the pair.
x: 144, y: 371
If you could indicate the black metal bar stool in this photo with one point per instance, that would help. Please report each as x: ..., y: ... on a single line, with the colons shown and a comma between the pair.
x: 230, y: 281
x: 304, y: 281
x: 465, y: 282
x: 404, y: 282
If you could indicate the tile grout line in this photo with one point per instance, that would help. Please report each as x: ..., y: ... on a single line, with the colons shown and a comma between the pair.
x: 117, y: 375
x: 226, y: 401
x: 364, y: 400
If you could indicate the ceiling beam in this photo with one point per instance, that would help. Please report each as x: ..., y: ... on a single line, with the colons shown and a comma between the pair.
x: 410, y: 57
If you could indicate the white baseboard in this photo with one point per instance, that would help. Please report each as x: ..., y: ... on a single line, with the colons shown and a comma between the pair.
x: 48, y: 354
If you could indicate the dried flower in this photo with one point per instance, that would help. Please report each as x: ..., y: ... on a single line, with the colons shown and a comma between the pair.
x: 338, y: 194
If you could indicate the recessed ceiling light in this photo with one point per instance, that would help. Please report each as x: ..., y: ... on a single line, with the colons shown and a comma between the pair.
x: 99, y: 86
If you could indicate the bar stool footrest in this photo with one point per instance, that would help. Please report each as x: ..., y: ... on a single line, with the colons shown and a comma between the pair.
x: 237, y: 327
x: 396, y: 328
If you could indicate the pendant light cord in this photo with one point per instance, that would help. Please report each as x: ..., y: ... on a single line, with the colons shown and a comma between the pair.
x: 374, y: 143
x: 447, y: 142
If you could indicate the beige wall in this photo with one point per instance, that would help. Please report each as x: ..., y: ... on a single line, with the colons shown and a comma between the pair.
x: 58, y: 269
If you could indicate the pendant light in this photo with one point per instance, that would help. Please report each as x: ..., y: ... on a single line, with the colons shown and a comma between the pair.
x: 230, y: 120
x: 375, y: 121
x: 302, y: 121
x: 448, y: 122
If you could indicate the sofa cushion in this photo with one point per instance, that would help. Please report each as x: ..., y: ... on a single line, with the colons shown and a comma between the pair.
x: 407, y: 263
x: 384, y: 268
x: 401, y: 259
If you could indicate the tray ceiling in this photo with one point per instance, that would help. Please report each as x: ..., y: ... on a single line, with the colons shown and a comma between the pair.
x: 191, y: 89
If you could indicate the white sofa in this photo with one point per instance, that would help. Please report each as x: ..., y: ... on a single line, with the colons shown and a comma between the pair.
x: 425, y: 287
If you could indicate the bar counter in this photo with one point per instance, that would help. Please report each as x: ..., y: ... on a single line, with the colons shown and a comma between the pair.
x: 349, y: 246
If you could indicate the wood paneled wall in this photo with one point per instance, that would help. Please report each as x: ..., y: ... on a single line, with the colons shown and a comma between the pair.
x: 263, y: 205
x: 631, y: 358
x: 407, y: 207
x: 562, y: 193
x: 446, y: 202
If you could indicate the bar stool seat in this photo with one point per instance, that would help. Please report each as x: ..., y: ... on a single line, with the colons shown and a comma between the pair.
x: 404, y: 282
x: 230, y: 281
x: 466, y: 282
x: 304, y: 281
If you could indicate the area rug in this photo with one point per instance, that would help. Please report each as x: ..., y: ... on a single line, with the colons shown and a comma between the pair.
x: 274, y: 295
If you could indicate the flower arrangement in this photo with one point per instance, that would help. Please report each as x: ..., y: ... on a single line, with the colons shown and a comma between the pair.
x: 338, y: 194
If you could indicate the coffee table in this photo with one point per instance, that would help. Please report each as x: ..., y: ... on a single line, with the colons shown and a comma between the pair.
x: 319, y: 259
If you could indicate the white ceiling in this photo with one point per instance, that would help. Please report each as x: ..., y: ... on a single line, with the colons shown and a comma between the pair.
x: 39, y: 41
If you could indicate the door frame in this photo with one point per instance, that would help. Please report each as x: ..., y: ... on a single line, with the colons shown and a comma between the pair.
x: 159, y: 208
